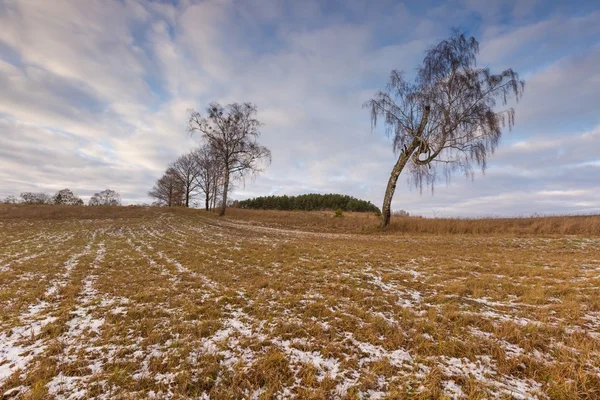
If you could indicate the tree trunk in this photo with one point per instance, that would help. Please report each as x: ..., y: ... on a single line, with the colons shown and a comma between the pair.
x: 386, y: 209
x: 206, y: 201
x: 400, y: 164
x: 225, y: 187
x: 214, y: 198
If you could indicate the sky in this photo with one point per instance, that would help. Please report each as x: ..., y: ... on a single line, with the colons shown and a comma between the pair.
x: 95, y: 95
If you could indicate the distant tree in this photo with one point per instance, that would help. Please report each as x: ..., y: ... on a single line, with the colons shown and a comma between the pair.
x: 309, y: 202
x: 446, y: 117
x: 36, y: 198
x: 66, y: 197
x: 232, y: 132
x: 168, y: 190
x: 10, y: 199
x: 106, y: 197
x: 210, y: 174
x: 188, y: 171
x: 401, y: 213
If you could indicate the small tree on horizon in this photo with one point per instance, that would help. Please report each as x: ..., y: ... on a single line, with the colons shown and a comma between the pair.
x: 106, y: 197
x: 232, y: 132
x: 66, y: 197
x: 11, y: 199
x: 35, y: 198
x: 445, y: 119
x: 168, y: 190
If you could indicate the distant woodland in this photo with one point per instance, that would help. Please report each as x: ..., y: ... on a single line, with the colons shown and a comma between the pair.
x: 309, y: 202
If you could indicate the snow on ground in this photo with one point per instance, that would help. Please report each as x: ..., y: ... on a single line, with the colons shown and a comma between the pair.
x: 81, y: 340
x: 483, y: 370
x: 20, y: 345
x: 215, y: 303
x: 71, y: 263
x: 408, y: 298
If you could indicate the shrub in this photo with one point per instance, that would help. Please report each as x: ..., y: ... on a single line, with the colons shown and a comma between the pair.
x: 338, y: 213
x: 400, y: 213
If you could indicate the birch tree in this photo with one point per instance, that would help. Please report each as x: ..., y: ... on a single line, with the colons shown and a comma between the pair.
x: 232, y: 132
x: 187, y: 170
x: 445, y: 120
x: 210, y: 174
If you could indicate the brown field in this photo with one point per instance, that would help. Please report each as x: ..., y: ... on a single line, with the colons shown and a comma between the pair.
x: 322, y: 221
x: 139, y: 302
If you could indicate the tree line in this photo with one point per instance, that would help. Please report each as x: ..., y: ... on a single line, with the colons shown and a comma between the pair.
x: 309, y: 202
x: 106, y: 197
x: 230, y: 152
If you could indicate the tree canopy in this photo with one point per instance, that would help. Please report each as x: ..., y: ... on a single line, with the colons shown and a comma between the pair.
x: 106, y: 197
x: 66, y: 197
x: 309, y: 202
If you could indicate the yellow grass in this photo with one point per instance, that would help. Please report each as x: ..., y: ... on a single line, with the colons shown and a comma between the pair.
x: 352, y: 222
x: 135, y: 302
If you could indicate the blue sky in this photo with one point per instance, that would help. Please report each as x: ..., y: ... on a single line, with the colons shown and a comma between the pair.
x: 95, y: 93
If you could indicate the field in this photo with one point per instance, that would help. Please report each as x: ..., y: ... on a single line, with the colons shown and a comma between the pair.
x: 136, y: 303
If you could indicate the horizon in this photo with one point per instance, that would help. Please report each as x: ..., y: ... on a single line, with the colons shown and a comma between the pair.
x: 95, y: 96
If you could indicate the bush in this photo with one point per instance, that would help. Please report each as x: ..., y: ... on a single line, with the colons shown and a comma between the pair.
x: 338, y: 213
x: 400, y: 213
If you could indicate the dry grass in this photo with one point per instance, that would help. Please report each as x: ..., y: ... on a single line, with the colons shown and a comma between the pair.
x: 144, y: 302
x: 62, y: 212
x: 323, y: 221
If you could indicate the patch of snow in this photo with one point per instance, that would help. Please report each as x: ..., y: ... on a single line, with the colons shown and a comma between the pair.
x: 327, y: 367
x: 483, y: 370
x: 453, y: 390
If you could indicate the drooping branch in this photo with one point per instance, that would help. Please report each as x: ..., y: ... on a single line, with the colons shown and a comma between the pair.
x: 448, y: 114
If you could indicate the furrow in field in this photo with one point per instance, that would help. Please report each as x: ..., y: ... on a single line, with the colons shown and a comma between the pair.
x: 22, y: 343
x: 82, y: 352
x: 46, y: 243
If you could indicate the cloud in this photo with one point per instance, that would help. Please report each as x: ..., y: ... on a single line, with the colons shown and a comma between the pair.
x: 95, y: 95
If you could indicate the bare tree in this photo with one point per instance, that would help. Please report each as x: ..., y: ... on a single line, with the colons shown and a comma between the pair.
x: 168, y: 190
x: 187, y: 170
x: 10, y: 199
x: 210, y: 173
x: 106, y: 197
x: 446, y: 117
x: 232, y: 132
x: 36, y: 198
